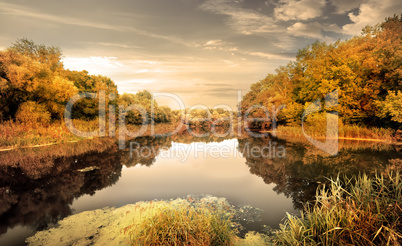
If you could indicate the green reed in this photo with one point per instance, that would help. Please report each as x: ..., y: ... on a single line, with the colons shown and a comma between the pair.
x: 359, y: 211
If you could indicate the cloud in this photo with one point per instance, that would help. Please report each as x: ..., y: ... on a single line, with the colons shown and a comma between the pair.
x: 94, y: 65
x: 273, y: 56
x: 309, y: 30
x: 245, y: 21
x: 299, y: 10
x: 125, y: 46
x: 332, y: 28
x: 217, y: 42
x: 344, y: 6
x: 230, y: 63
x: 371, y: 13
x: 17, y: 10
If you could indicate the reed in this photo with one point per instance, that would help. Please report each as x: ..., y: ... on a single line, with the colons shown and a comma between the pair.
x: 345, y: 132
x: 359, y: 211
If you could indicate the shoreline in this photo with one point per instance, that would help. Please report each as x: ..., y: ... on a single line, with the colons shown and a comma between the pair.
x: 67, y: 137
x: 282, y: 132
x: 44, y: 145
x: 115, y: 225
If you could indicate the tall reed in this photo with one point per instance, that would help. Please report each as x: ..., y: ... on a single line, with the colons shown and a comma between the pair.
x: 359, y: 211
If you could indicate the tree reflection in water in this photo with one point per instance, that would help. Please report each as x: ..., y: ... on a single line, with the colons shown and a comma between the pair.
x: 38, y: 192
x: 304, y: 168
x: 37, y: 186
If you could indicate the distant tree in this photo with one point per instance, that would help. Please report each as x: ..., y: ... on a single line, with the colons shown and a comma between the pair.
x: 145, y: 100
x: 88, y: 108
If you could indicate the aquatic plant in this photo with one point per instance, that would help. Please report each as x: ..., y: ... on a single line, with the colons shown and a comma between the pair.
x: 358, y: 211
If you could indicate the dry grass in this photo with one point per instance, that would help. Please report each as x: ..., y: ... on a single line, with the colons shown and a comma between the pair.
x: 168, y: 223
x: 15, y: 135
x: 345, y: 132
x: 360, y: 211
x: 19, y: 134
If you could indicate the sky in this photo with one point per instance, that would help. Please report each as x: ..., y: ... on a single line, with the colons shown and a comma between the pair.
x: 204, y: 51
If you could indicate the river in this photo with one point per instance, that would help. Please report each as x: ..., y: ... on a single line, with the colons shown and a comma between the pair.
x: 41, y: 186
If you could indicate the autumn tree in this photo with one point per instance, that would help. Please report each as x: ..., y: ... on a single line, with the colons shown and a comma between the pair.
x: 88, y: 108
x: 144, y: 102
x: 364, y: 70
x: 35, y: 73
x: 27, y: 74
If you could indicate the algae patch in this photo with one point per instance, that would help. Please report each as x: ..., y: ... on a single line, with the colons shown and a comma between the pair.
x: 105, y: 226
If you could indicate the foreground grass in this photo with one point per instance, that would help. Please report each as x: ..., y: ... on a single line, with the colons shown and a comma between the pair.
x: 167, y: 223
x: 358, y: 211
x: 361, y: 211
x: 188, y: 222
x: 191, y: 221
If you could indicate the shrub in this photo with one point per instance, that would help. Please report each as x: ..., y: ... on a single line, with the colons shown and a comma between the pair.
x: 32, y: 113
x: 316, y: 124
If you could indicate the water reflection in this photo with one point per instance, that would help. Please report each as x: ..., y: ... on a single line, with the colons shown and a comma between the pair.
x: 40, y: 195
x: 304, y: 168
x: 38, y: 187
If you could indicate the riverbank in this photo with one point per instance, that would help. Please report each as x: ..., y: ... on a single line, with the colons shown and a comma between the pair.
x: 346, y: 132
x: 16, y: 136
x: 359, y: 211
x: 205, y: 220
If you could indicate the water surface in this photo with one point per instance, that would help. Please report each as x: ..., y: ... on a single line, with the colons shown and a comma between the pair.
x: 38, y: 187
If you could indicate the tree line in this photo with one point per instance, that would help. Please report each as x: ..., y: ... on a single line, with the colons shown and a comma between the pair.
x: 35, y: 87
x: 365, y: 71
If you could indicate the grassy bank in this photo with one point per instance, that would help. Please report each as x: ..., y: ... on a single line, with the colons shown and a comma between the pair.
x: 352, y: 132
x: 17, y: 135
x: 21, y: 135
x: 191, y: 221
x: 173, y: 223
x: 358, y: 211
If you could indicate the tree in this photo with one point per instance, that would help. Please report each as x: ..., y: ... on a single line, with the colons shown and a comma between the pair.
x: 145, y: 100
x: 362, y: 70
x: 391, y: 106
x: 33, y: 114
x: 88, y: 108
x: 50, y: 55
x: 23, y: 78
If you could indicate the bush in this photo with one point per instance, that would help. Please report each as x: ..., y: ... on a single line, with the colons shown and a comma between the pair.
x: 32, y: 113
x: 316, y: 124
